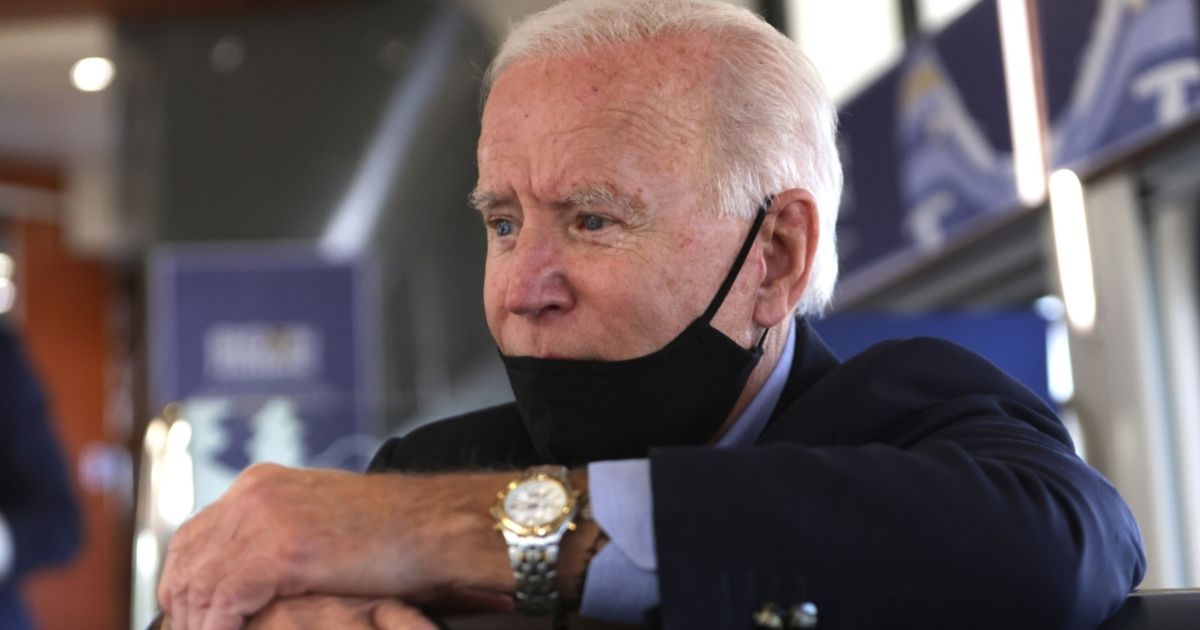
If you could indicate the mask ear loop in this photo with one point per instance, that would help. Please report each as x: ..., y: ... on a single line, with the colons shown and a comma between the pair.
x: 719, y: 298
x: 762, y: 338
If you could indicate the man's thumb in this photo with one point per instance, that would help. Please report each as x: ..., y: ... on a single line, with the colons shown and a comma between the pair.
x: 393, y: 614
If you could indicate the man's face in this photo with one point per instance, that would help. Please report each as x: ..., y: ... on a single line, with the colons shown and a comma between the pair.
x: 601, y: 243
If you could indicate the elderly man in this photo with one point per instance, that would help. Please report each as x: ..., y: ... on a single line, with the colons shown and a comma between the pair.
x: 659, y: 184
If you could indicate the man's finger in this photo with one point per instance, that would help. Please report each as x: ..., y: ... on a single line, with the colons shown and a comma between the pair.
x: 180, y: 610
x: 168, y: 580
x: 238, y: 593
x: 193, y: 616
x: 163, y: 592
x: 392, y: 614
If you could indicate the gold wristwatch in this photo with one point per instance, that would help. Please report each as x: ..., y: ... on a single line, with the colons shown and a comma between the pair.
x: 533, y: 512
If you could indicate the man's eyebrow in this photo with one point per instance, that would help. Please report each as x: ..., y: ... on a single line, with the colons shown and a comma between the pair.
x: 602, y: 196
x: 484, y: 200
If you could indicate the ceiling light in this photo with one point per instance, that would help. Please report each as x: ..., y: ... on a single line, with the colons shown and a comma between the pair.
x: 228, y: 54
x: 92, y: 74
x: 1023, y: 89
x: 1073, y: 250
x: 8, y: 295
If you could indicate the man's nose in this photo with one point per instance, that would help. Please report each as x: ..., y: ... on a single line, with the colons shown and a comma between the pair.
x: 538, y: 283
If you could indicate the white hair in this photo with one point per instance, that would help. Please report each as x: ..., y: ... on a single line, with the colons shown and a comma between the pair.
x: 774, y: 126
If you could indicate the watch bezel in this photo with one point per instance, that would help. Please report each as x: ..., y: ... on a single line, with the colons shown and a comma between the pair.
x: 566, y: 518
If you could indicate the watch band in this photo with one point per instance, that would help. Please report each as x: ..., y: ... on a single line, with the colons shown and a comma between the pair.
x: 535, y: 567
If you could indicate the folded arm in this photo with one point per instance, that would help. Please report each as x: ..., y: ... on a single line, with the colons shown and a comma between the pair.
x: 282, y: 533
x: 939, y: 492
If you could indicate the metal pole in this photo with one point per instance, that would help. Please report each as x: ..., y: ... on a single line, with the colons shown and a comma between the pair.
x: 910, y: 20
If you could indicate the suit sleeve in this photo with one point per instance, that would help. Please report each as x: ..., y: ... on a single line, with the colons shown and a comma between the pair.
x: 917, y: 486
x: 35, y: 494
x: 488, y: 439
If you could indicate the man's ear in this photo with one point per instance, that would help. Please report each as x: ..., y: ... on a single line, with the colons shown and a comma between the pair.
x: 790, y: 232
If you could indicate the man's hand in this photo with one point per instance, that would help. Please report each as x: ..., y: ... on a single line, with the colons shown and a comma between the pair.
x: 350, y: 613
x: 282, y: 532
x: 327, y: 611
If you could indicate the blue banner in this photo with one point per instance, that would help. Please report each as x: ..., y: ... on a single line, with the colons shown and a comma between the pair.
x: 1015, y: 341
x: 926, y: 148
x: 1117, y: 72
x: 269, y: 349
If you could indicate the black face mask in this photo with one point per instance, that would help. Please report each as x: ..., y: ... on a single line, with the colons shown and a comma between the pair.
x: 579, y: 411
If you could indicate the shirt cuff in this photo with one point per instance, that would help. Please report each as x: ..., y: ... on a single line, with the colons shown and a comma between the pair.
x: 7, y: 549
x: 622, y: 579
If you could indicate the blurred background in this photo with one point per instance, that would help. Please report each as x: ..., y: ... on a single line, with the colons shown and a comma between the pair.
x: 235, y: 231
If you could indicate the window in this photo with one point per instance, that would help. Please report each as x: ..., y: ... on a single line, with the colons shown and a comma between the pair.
x: 849, y: 43
x: 935, y: 14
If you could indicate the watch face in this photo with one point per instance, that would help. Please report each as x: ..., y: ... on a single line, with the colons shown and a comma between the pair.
x: 536, y: 502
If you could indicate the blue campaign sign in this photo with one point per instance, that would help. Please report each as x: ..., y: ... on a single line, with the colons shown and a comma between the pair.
x: 926, y: 147
x: 270, y: 350
x: 1014, y: 340
x: 1116, y: 72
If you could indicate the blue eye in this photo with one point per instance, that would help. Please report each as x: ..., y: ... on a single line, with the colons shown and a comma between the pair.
x: 503, y: 227
x: 593, y: 223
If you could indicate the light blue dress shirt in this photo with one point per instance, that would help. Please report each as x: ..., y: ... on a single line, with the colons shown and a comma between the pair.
x: 622, y: 579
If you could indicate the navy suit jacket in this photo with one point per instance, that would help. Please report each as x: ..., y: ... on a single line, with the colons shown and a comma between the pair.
x: 914, y: 485
x: 35, y: 495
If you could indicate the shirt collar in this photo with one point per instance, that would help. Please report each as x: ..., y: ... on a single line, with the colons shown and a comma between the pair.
x: 753, y: 419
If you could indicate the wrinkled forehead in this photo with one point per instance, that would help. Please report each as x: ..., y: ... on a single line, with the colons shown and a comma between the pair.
x: 650, y: 98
